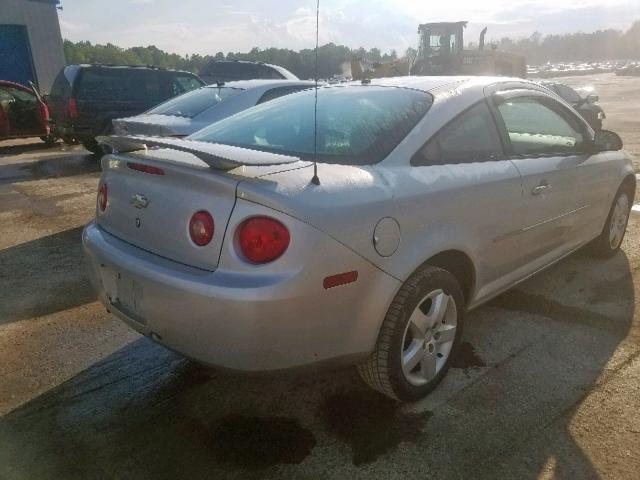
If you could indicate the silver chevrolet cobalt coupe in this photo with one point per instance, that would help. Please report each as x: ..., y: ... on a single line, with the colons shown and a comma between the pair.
x: 431, y: 196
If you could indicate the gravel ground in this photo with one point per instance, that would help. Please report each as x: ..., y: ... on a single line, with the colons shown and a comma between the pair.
x: 547, y: 384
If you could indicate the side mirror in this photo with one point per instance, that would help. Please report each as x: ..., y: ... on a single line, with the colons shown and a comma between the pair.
x: 607, y: 141
x: 593, y: 99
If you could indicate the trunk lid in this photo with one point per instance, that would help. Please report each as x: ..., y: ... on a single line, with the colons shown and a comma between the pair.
x: 152, y: 211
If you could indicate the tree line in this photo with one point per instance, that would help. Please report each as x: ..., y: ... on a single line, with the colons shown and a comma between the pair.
x: 332, y: 59
x: 335, y: 59
x: 601, y: 45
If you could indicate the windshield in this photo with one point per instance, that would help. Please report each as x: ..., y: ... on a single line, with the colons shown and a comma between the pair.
x: 195, y: 102
x: 355, y: 125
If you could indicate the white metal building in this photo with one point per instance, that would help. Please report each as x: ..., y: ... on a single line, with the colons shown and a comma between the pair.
x: 30, y: 42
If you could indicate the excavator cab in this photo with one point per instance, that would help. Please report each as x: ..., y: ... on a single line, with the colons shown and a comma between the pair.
x: 440, y: 49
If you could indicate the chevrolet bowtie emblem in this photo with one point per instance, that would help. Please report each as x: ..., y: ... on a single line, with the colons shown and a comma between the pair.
x: 139, y: 201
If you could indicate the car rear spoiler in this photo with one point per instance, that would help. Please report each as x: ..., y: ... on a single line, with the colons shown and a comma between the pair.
x: 216, y: 155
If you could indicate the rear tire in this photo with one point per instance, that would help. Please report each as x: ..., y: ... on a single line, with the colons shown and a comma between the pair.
x: 49, y: 139
x: 420, y: 333
x: 610, y: 240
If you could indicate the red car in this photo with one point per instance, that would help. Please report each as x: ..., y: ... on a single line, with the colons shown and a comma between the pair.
x: 23, y: 113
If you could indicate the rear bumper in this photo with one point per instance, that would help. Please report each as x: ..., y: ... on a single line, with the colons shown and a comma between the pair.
x: 245, y: 321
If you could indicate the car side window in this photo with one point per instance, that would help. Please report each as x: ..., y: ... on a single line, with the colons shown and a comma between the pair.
x: 535, y: 128
x: 280, y: 92
x: 471, y: 137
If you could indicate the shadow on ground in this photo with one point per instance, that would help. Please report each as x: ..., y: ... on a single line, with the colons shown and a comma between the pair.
x: 22, y: 147
x: 145, y: 412
x: 43, y: 276
x: 54, y: 167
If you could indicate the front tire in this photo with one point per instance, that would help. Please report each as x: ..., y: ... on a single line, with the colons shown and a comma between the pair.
x: 610, y: 240
x: 419, y: 334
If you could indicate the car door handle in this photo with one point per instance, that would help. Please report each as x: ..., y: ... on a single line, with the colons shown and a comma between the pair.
x: 540, y: 189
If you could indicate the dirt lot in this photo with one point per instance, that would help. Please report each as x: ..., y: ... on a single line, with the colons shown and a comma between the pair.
x: 547, y: 384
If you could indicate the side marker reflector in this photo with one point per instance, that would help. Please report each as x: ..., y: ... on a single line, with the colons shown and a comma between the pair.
x: 340, y: 279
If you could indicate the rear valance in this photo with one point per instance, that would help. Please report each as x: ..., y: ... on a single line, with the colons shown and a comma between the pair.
x: 216, y: 155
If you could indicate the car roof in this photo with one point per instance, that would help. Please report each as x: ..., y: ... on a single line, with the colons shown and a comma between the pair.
x: 281, y: 70
x: 126, y: 67
x: 247, y: 84
x: 432, y: 83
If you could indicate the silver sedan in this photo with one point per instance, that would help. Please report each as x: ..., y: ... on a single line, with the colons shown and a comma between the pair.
x: 361, y: 234
x: 194, y: 110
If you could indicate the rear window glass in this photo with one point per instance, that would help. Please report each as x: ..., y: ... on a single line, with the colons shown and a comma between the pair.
x: 356, y: 125
x: 230, y: 71
x: 119, y: 84
x: 471, y: 137
x: 195, y: 102
x: 60, y: 85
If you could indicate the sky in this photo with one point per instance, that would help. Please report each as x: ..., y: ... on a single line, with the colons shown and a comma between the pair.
x: 206, y: 26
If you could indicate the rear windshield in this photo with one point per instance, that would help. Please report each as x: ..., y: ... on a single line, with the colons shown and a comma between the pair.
x: 193, y: 103
x: 356, y: 125
x: 60, y: 85
x: 133, y: 85
x: 230, y: 71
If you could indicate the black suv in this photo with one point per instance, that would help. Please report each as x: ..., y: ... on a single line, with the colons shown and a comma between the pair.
x: 85, y: 98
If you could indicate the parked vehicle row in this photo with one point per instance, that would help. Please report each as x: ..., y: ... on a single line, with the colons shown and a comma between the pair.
x: 353, y: 224
x: 84, y: 99
x: 91, y: 100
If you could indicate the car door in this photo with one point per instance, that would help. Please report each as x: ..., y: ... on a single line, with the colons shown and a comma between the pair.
x: 549, y: 147
x: 467, y: 181
x: 25, y: 113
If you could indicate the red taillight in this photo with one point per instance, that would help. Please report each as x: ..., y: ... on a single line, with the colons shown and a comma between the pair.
x: 140, y: 167
x: 103, y: 197
x: 72, y: 108
x: 201, y: 228
x: 44, y: 118
x: 263, y: 239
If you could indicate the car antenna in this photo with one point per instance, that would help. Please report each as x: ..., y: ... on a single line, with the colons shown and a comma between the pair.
x: 315, y: 179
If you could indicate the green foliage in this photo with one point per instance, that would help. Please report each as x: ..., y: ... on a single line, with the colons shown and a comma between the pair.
x: 586, y: 47
x: 334, y: 59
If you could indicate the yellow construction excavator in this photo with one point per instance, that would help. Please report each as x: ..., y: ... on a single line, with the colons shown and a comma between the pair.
x: 441, y: 52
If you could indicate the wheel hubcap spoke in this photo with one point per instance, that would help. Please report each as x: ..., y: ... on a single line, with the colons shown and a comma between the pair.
x: 428, y: 366
x: 412, y: 357
x: 419, y: 322
x: 429, y: 337
x: 439, y: 309
x: 446, y: 334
